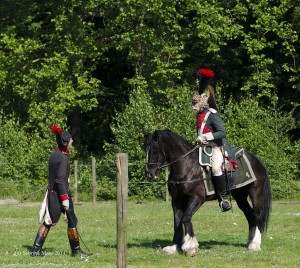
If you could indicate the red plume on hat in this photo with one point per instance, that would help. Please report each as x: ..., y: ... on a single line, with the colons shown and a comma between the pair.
x: 207, y: 72
x: 205, y: 79
x: 55, y: 128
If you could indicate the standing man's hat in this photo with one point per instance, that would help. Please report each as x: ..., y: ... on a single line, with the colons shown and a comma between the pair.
x: 62, y: 136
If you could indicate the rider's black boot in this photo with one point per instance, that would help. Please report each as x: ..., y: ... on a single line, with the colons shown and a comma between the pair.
x: 220, y: 186
x: 39, y: 240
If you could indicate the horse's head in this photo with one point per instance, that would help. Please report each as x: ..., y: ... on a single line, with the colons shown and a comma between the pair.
x: 154, y: 155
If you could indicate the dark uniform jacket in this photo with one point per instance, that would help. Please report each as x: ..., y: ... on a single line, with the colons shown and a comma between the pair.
x: 213, y: 124
x: 58, y: 172
x: 58, y: 184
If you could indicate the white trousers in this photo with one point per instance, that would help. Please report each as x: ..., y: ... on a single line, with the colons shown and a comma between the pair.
x: 217, y: 161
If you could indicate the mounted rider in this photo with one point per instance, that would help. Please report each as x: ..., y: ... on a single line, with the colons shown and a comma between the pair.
x: 210, y: 130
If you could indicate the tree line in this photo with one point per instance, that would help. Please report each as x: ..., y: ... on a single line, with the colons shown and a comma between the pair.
x: 106, y: 70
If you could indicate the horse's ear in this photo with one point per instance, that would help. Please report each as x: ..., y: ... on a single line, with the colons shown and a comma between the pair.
x: 145, y: 133
x: 155, y: 136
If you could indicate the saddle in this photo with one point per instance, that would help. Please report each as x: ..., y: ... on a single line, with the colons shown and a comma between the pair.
x: 237, y: 168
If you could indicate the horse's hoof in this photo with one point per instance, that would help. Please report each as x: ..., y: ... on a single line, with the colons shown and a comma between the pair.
x: 254, y: 247
x: 190, y: 245
x: 254, y: 244
x: 170, y: 250
x: 191, y: 252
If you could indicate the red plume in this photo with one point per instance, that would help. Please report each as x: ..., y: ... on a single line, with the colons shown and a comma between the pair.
x: 207, y: 72
x: 55, y: 128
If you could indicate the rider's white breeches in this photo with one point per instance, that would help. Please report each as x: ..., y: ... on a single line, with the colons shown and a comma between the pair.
x: 217, y: 161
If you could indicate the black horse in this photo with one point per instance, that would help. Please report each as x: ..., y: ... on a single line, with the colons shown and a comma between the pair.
x: 187, y: 189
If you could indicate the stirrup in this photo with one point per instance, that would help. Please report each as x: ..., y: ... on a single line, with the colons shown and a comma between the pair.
x: 225, y: 206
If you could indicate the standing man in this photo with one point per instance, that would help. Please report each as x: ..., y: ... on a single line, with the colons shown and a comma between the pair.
x: 210, y: 130
x: 58, y: 197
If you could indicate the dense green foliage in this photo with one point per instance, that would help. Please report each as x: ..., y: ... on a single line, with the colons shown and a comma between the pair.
x: 107, y: 70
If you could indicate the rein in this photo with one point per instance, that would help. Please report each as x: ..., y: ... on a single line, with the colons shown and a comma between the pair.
x: 186, y: 154
x: 172, y: 162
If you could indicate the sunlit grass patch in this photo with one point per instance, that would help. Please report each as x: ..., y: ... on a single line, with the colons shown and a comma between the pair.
x: 222, y: 237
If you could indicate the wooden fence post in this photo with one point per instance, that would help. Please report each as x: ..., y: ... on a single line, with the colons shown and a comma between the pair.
x: 94, y: 183
x: 75, y: 181
x: 122, y: 197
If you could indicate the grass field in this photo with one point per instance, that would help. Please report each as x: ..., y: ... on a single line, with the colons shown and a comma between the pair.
x: 222, y: 237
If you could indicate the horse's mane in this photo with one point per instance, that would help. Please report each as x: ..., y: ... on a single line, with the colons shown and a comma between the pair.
x: 170, y: 135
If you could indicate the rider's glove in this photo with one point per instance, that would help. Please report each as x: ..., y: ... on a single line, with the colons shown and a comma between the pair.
x: 200, y: 139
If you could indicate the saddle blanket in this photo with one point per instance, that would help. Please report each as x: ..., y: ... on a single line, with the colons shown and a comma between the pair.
x: 242, y: 176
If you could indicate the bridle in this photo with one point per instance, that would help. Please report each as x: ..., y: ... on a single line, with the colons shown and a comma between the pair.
x: 177, y: 159
x: 182, y: 156
x: 160, y: 167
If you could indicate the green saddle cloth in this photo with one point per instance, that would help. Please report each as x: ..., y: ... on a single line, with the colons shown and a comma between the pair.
x: 205, y: 154
x: 242, y: 176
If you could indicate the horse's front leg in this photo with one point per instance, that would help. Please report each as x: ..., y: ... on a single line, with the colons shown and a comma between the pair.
x: 178, y: 228
x: 190, y: 244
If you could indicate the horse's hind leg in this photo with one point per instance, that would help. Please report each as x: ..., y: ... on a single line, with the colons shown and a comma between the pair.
x: 261, y: 208
x: 261, y: 197
x: 255, y: 232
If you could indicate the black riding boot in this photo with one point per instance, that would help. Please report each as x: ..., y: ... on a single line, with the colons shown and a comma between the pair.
x: 39, y: 240
x: 74, y: 243
x: 220, y: 186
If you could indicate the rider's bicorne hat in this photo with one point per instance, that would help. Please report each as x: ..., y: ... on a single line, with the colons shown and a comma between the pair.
x: 205, y: 93
x: 62, y: 136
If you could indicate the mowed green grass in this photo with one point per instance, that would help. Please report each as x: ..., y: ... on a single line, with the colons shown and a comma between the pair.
x: 222, y: 237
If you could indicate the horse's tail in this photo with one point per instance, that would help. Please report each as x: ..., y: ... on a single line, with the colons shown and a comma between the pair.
x: 267, y: 204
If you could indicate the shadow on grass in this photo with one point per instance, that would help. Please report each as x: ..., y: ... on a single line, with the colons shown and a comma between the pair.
x: 48, y: 251
x: 158, y: 243
x: 210, y: 244
x: 143, y: 244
